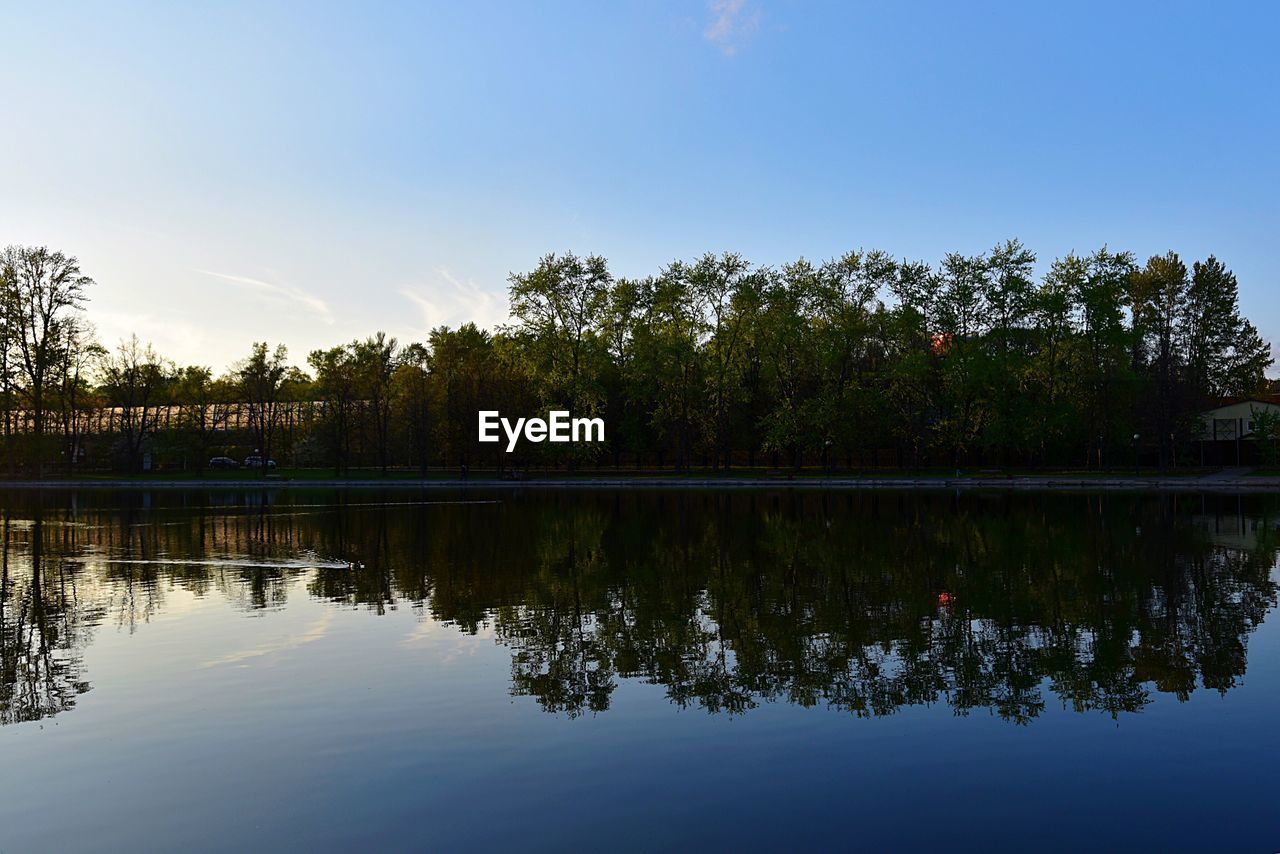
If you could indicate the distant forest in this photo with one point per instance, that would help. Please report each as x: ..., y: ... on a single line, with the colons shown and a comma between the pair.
x: 858, y: 362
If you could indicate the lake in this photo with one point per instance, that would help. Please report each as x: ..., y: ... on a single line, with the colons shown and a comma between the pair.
x: 514, y: 668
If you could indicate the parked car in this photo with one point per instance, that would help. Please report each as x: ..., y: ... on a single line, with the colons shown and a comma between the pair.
x: 255, y: 462
x: 223, y: 463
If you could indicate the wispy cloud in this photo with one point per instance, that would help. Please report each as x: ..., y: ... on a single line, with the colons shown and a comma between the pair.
x: 310, y: 634
x: 451, y: 301
x: 279, y: 293
x: 445, y: 642
x: 172, y: 335
x: 732, y: 23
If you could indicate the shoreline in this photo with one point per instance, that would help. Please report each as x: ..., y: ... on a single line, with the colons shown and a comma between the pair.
x: 1180, y: 484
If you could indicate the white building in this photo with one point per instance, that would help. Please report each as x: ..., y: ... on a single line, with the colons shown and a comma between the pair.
x: 1228, y: 429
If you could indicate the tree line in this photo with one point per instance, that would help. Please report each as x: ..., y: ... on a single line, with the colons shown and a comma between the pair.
x: 860, y: 361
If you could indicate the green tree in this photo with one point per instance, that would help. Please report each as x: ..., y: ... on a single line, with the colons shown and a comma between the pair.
x: 791, y: 350
x: 76, y: 360
x: 669, y: 365
x: 411, y: 396
x: 1225, y: 355
x: 376, y: 359
x: 559, y: 309
x: 1266, y: 429
x: 337, y: 386
x: 1053, y: 309
x: 727, y: 295
x: 962, y: 323
x: 1157, y: 296
x: 848, y: 323
x: 462, y: 370
x: 1105, y: 375
x: 914, y: 352
x: 1010, y: 297
x: 627, y: 404
x: 134, y: 380
x: 44, y: 292
x: 262, y: 378
x: 207, y: 409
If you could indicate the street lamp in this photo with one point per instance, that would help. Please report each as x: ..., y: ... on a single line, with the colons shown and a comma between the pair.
x: 1135, y: 454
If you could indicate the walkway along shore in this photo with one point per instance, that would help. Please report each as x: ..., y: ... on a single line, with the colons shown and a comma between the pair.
x: 1211, y: 483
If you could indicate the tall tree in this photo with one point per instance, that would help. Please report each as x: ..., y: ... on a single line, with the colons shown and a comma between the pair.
x: 792, y: 352
x: 914, y: 353
x: 337, y: 387
x: 727, y: 295
x: 46, y: 289
x: 411, y: 390
x: 669, y: 365
x: 8, y: 367
x: 559, y: 308
x: 1223, y: 352
x: 1052, y: 316
x: 461, y: 373
x: 627, y: 404
x: 375, y: 362
x: 133, y: 379
x: 78, y: 355
x: 962, y: 321
x: 851, y: 350
x: 1105, y: 374
x: 1157, y: 295
x: 206, y: 410
x: 261, y: 378
x: 1009, y: 295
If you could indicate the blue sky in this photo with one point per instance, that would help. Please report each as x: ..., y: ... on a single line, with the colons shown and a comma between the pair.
x: 311, y: 172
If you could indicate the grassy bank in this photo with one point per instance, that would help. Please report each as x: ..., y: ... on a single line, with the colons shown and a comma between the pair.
x: 694, y: 474
x: 1185, y: 478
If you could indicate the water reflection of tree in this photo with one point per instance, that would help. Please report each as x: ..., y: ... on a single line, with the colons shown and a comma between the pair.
x: 863, y: 602
x: 65, y: 569
x: 871, y: 603
x: 43, y: 629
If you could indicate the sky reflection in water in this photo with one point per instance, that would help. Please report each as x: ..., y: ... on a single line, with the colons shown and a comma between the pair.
x: 320, y: 670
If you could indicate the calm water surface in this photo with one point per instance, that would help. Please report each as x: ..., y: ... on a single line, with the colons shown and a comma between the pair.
x: 323, y: 671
